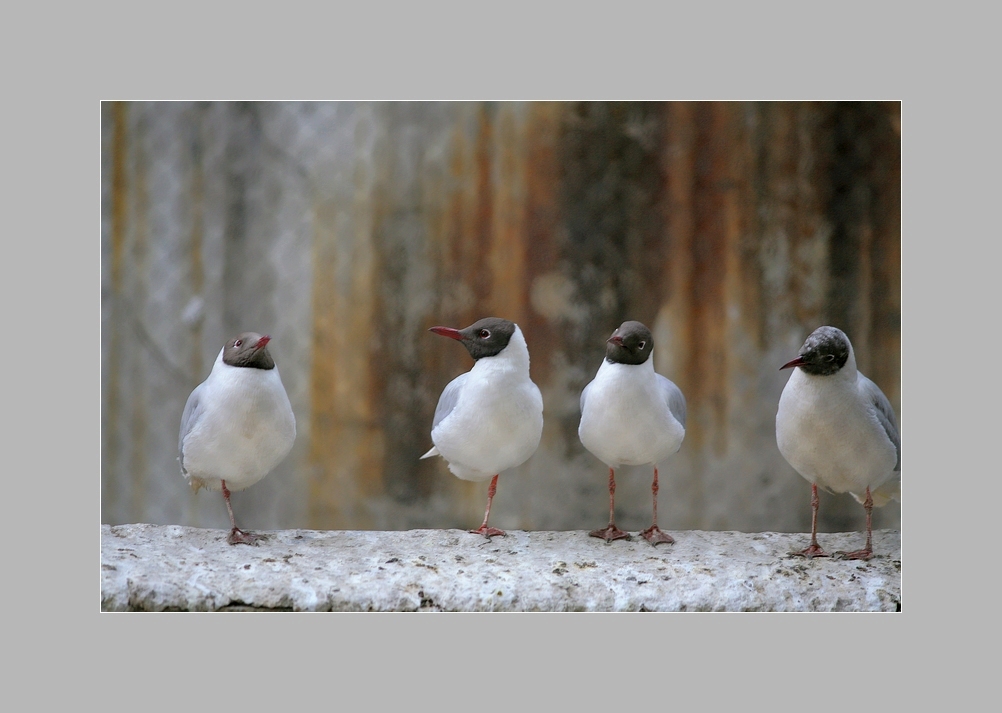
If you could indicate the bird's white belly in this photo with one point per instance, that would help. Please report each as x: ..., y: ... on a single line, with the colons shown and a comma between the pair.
x: 241, y: 440
x: 489, y: 431
x: 627, y: 426
x: 830, y: 444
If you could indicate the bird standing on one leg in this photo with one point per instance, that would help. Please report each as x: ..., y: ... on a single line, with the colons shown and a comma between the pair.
x: 631, y: 415
x: 489, y: 419
x: 237, y: 424
x: 838, y: 430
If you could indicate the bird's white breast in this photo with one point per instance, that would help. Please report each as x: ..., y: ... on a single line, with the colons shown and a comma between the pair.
x: 245, y: 429
x: 625, y: 419
x: 497, y: 421
x: 830, y: 434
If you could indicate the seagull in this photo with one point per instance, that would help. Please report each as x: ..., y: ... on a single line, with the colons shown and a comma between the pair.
x: 489, y: 419
x: 631, y: 415
x: 237, y: 424
x: 838, y: 430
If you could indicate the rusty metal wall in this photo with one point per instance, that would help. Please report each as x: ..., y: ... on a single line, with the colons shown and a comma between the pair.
x: 345, y: 230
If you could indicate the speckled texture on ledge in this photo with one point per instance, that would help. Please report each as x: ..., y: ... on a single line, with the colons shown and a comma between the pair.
x: 158, y: 568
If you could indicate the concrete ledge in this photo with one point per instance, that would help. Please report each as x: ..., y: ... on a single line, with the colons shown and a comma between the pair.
x: 165, y: 568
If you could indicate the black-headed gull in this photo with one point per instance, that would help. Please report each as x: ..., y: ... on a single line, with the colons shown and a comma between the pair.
x: 631, y: 415
x: 838, y: 430
x: 489, y: 419
x: 237, y: 424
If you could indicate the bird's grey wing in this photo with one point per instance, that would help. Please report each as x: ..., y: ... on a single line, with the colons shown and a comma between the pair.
x: 192, y: 412
x: 674, y: 398
x: 447, y: 401
x: 883, y: 411
x: 584, y: 394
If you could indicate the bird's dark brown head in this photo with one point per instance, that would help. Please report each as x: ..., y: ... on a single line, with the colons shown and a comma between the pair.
x: 484, y: 338
x: 249, y: 350
x: 632, y: 343
x: 824, y: 353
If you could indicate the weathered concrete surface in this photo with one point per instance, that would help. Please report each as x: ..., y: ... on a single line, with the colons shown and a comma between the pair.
x: 157, y: 568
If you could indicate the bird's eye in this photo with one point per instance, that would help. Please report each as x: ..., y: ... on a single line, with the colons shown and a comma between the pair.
x: 238, y: 342
x: 485, y: 334
x: 641, y: 345
x: 829, y: 357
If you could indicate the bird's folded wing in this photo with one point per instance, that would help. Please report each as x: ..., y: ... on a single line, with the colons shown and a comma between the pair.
x: 192, y: 412
x: 447, y: 401
x: 584, y: 395
x: 674, y: 398
x: 883, y: 411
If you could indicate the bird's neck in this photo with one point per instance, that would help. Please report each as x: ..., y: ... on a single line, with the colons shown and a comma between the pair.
x: 514, y: 358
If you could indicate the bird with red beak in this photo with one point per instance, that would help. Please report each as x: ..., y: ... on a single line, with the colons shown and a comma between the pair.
x: 838, y: 430
x: 631, y: 415
x: 489, y: 419
x: 237, y: 425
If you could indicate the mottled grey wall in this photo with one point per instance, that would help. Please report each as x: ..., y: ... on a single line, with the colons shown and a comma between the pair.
x: 345, y: 230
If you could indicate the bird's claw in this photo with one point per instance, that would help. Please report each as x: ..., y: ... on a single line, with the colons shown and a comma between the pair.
x: 610, y: 533
x: 488, y: 532
x: 855, y: 555
x: 811, y: 551
x: 655, y: 535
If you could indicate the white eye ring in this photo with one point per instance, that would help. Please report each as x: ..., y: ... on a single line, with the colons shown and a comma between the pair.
x: 829, y: 357
x: 642, y: 345
x: 238, y: 342
x: 485, y: 334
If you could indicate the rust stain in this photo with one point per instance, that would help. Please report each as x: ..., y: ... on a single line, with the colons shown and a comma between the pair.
x: 346, y: 441
x: 733, y: 187
x: 476, y: 244
x: 506, y: 255
x: 112, y: 386
x: 541, y: 229
x: 710, y: 265
x: 679, y: 160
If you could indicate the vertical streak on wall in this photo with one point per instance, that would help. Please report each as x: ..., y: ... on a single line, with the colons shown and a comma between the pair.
x: 541, y: 227
x: 708, y: 357
x: 113, y: 446
x: 676, y: 314
x: 195, y: 242
x: 346, y: 449
x: 137, y: 283
x: 507, y: 236
x: 846, y: 211
x: 735, y: 311
x: 778, y: 176
x: 811, y: 235
x: 887, y: 256
x: 327, y: 496
x: 748, y: 294
x: 483, y: 231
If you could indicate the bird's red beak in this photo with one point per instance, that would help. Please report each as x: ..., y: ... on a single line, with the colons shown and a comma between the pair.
x: 615, y: 339
x: 263, y: 342
x: 794, y: 362
x: 447, y: 332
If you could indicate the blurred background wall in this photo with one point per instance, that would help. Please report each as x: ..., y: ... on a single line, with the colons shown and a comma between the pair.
x: 346, y: 230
